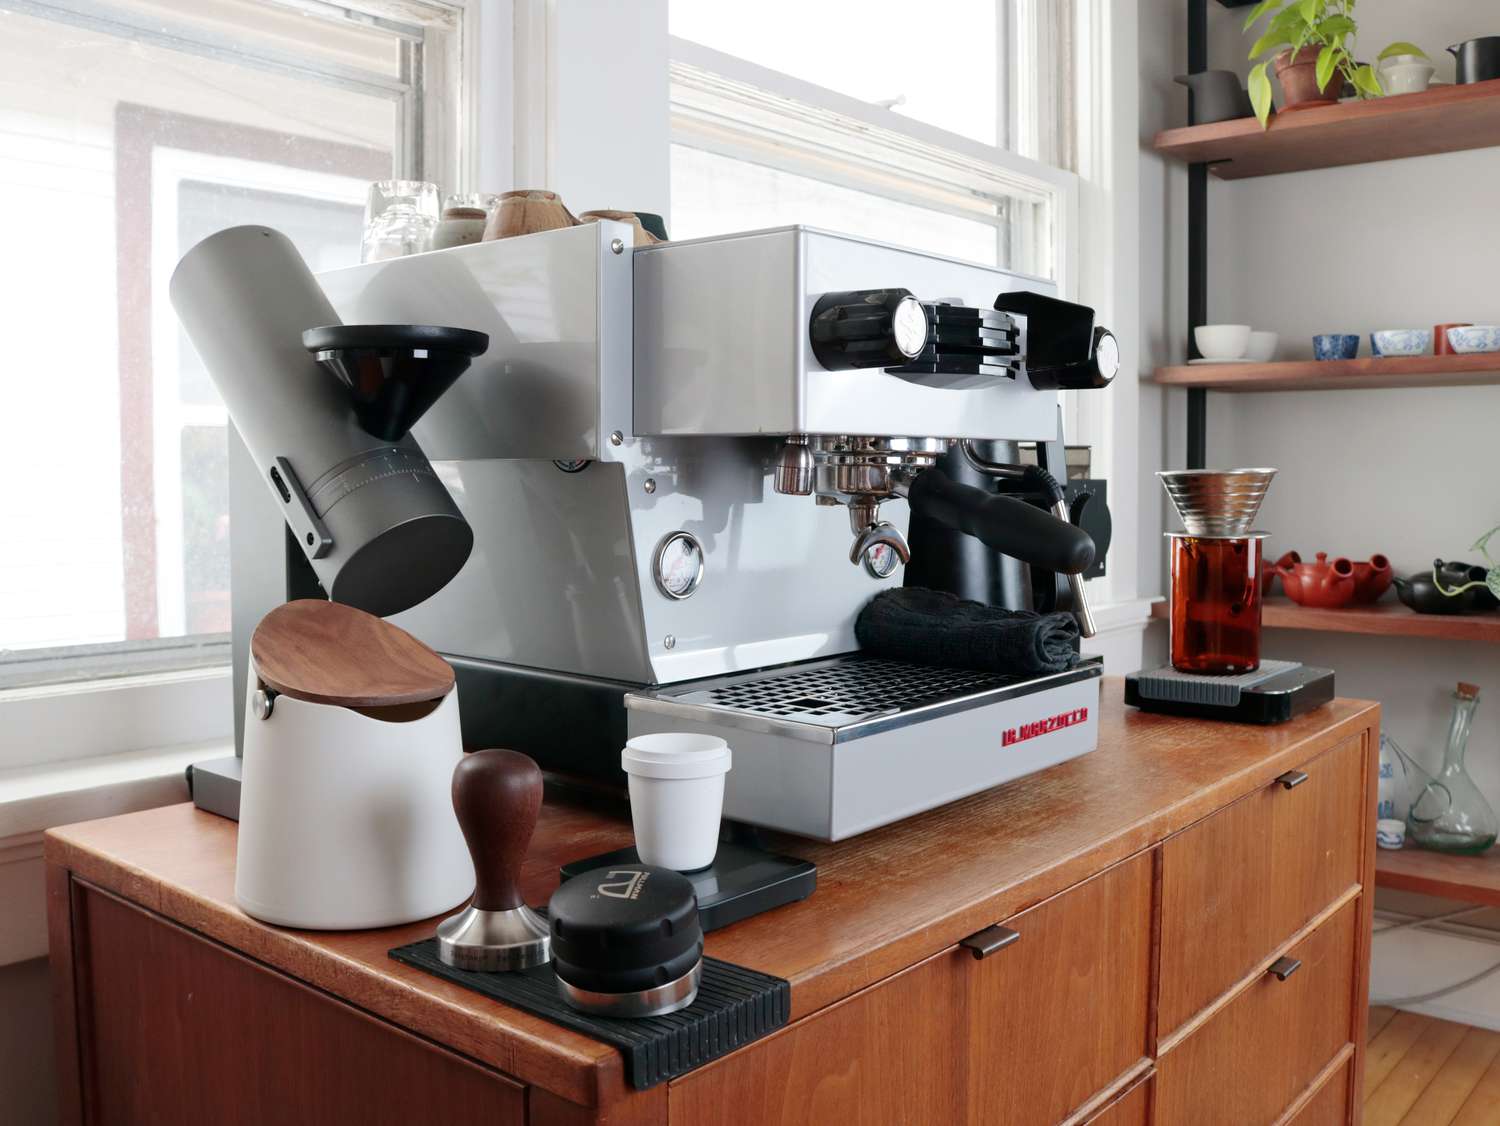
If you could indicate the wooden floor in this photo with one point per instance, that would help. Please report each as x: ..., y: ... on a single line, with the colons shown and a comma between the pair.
x: 1427, y: 1072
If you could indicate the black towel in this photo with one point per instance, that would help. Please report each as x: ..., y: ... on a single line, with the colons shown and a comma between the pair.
x: 933, y: 627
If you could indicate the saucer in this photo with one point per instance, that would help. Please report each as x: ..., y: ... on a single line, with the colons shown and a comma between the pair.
x: 1236, y: 360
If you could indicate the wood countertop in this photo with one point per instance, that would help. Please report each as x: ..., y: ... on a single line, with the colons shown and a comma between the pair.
x: 885, y: 899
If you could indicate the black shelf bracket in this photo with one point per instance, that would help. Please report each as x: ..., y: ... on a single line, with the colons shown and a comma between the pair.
x: 1197, y: 278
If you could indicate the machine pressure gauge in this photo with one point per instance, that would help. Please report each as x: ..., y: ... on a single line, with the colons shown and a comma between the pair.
x: 678, y: 566
x: 880, y: 560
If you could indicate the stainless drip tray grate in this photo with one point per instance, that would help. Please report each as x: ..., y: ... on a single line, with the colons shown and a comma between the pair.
x: 856, y: 689
x: 841, y: 697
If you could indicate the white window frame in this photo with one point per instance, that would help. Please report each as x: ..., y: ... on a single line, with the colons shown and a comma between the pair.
x: 463, y: 143
x: 696, y: 66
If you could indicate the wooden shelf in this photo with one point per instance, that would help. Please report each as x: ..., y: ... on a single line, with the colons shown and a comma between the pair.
x: 1443, y: 119
x: 1468, y: 879
x: 1336, y: 375
x: 1389, y: 619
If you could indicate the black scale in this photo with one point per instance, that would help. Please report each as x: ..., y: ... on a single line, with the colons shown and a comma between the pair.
x: 1274, y: 693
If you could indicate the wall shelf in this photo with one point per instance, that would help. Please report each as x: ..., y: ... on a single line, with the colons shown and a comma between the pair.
x: 1388, y: 619
x: 1468, y: 879
x: 1337, y: 375
x: 1443, y: 119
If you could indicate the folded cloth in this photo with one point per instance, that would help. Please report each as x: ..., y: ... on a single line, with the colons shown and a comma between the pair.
x: 933, y: 627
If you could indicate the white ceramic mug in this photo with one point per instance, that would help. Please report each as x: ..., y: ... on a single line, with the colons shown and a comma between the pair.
x: 676, y: 797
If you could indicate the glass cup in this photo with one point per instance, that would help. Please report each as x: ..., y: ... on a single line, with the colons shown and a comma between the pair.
x: 400, y: 217
x: 1216, y: 601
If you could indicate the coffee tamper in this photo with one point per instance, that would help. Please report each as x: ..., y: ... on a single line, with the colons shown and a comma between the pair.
x: 496, y: 795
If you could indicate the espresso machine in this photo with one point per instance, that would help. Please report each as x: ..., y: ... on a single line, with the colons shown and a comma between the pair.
x: 660, y: 497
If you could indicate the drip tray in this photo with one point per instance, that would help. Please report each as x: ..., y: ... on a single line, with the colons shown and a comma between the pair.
x: 833, y: 747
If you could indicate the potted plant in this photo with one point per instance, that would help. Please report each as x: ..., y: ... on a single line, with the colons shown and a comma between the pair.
x: 1311, y: 44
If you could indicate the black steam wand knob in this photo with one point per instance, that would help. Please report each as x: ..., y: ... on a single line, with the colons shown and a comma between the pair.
x: 1065, y: 350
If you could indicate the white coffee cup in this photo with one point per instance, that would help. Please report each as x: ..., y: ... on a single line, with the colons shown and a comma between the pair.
x: 676, y: 797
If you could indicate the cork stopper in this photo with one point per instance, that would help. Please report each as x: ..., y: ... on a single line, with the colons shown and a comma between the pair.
x: 1468, y: 691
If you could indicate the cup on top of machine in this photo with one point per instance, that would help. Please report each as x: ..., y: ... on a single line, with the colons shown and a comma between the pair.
x: 676, y: 797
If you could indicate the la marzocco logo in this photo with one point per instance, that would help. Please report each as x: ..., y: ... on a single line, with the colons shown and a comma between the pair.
x: 627, y: 888
x: 1014, y: 735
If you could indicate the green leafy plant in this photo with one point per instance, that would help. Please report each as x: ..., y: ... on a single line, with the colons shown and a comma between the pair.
x: 1328, y: 25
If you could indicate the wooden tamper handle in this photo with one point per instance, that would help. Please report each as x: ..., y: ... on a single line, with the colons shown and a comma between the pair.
x: 496, y: 795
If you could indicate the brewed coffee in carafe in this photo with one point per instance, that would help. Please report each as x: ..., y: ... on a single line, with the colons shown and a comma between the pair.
x: 1216, y: 603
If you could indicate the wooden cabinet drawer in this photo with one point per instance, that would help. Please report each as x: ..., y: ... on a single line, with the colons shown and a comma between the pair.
x: 1238, y: 884
x: 1026, y: 1035
x: 179, y: 1030
x: 1133, y: 1108
x: 1250, y: 1060
x: 1329, y: 1105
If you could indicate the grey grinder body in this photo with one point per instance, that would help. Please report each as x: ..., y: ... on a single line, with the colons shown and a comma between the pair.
x: 245, y: 296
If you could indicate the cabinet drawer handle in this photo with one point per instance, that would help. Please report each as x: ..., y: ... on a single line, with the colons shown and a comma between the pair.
x: 1283, y: 968
x: 1291, y: 779
x: 987, y: 941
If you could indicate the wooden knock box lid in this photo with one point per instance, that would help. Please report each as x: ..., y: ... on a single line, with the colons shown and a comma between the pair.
x: 329, y: 653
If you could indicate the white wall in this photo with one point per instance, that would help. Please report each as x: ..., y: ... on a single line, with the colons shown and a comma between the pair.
x: 1411, y: 473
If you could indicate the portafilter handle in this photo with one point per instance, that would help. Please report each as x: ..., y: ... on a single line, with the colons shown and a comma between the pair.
x: 1010, y: 526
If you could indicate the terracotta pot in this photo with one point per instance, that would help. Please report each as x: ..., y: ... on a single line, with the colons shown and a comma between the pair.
x: 1371, y: 578
x: 526, y: 212
x: 643, y: 237
x: 1269, y: 571
x: 1299, y: 80
x: 1324, y: 584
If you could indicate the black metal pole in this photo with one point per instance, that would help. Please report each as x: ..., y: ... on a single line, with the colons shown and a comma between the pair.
x: 1197, y: 279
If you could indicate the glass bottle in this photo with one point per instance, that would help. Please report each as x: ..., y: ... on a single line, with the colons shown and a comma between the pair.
x: 1450, y: 814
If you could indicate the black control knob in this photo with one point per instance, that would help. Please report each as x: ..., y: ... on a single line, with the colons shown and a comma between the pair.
x: 868, y: 328
x: 1064, y: 349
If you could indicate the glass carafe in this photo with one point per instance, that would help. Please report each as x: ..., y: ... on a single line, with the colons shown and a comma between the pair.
x: 1449, y: 813
x: 1216, y: 595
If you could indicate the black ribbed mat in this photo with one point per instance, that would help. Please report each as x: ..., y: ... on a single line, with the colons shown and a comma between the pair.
x: 734, y: 1006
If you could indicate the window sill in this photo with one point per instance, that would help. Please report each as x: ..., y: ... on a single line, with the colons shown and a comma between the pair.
x: 35, y: 798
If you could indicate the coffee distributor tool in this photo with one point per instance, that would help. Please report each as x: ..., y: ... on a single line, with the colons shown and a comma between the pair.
x: 1216, y: 670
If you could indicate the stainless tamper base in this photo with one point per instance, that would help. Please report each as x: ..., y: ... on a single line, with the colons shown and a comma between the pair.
x: 676, y: 994
x: 494, y: 941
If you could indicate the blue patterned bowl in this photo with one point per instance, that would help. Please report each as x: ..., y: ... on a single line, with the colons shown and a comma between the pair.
x: 1336, y: 346
x: 1475, y: 338
x: 1401, y: 342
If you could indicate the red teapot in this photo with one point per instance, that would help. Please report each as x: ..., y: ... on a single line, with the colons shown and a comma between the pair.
x: 1323, y: 584
x: 1372, y: 578
x: 1269, y: 571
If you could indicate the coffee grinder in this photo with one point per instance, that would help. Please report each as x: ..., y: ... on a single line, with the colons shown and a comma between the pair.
x: 1216, y: 670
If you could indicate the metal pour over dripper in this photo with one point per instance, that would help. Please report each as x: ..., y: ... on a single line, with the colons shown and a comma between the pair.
x: 393, y: 373
x: 1217, y: 502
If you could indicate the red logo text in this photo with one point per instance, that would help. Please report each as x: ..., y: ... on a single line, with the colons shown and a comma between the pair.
x: 1014, y: 735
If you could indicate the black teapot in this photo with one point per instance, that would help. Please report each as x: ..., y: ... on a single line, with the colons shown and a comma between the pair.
x: 1421, y: 592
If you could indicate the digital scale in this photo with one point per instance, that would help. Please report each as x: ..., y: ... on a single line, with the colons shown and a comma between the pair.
x: 1273, y: 693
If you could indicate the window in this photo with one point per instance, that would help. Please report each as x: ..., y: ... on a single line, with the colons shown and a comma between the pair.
x: 129, y: 131
x: 946, y: 128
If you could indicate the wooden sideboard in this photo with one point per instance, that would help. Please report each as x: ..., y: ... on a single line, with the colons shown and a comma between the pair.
x: 1193, y: 902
